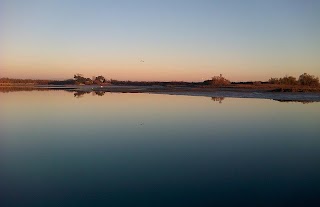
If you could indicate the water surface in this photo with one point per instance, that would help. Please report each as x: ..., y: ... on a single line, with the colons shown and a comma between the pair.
x: 61, y: 149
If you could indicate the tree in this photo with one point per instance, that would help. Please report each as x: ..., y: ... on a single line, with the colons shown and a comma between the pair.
x: 82, y: 80
x: 79, y: 78
x: 100, y: 79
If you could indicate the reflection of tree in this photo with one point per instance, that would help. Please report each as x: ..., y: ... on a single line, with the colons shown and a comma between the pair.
x: 79, y: 94
x: 98, y: 93
x: 219, y: 99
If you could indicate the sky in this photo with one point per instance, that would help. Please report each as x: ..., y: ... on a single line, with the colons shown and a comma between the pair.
x: 162, y: 40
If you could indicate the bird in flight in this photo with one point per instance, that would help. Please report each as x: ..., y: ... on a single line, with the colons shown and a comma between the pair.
x: 141, y: 61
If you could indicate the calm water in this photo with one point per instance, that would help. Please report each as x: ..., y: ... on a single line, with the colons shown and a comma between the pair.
x: 157, y: 150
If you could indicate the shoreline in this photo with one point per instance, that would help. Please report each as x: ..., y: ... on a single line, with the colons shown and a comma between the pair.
x: 257, y: 93
x: 228, y: 92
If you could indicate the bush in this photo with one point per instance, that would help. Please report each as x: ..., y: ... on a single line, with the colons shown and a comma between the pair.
x: 308, y: 80
x: 304, y: 79
x: 79, y: 79
x: 288, y: 80
x: 220, y: 81
x: 274, y: 81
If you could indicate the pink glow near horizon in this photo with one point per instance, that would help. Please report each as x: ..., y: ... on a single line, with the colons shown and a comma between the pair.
x: 144, y: 74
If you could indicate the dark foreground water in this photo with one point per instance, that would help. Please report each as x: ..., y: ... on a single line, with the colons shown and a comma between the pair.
x: 156, y: 150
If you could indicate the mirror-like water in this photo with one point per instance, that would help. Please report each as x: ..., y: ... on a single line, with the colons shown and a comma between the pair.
x: 156, y: 150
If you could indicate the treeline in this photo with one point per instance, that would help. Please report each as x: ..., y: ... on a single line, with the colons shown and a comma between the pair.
x: 24, y: 81
x: 250, y: 82
x: 12, y: 81
x: 216, y: 81
x: 81, y: 80
x: 64, y: 82
x: 304, y: 80
x: 153, y: 83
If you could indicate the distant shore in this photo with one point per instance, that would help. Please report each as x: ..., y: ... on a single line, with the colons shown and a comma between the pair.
x: 258, y: 92
x: 231, y: 92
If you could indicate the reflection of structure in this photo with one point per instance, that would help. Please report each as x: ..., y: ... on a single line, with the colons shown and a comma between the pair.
x: 220, y: 99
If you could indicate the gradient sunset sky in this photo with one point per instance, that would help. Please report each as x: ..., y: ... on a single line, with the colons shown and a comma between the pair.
x: 176, y: 39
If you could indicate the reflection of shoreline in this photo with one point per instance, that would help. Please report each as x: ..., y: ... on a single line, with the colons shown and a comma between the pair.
x: 295, y: 101
x: 219, y: 99
x: 7, y: 89
x: 18, y: 88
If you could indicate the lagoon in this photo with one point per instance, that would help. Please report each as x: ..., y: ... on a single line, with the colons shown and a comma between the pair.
x: 58, y: 148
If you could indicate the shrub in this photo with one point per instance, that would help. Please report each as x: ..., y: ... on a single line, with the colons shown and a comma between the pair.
x: 308, y: 80
x: 220, y: 81
x: 288, y: 80
x: 82, y: 80
x: 304, y: 79
x: 274, y: 81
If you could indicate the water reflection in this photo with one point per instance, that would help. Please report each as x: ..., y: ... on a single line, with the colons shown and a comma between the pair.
x: 156, y: 150
x: 80, y: 94
x: 8, y: 89
x: 295, y: 101
x: 218, y: 99
x: 97, y: 92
